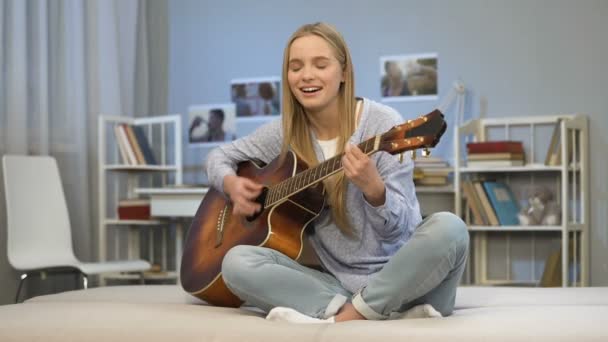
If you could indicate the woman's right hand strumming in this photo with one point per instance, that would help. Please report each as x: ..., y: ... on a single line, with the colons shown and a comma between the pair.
x: 242, y: 192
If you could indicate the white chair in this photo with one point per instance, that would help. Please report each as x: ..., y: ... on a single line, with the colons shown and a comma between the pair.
x: 39, y: 234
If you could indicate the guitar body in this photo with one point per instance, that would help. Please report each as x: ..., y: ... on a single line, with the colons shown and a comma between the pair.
x: 214, y: 230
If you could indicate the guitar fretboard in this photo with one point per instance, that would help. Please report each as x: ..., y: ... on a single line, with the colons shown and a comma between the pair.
x: 311, y: 176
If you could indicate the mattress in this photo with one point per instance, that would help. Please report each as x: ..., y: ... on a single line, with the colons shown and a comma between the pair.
x: 166, y: 313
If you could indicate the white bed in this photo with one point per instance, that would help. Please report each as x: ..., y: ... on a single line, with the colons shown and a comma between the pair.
x: 166, y: 313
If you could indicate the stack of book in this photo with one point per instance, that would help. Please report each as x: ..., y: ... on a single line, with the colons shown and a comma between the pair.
x: 554, y: 155
x: 134, y: 209
x: 133, y: 145
x: 491, y: 203
x: 495, y: 154
x: 431, y: 171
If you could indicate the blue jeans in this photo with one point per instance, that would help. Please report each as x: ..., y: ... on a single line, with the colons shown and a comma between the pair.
x: 426, y: 270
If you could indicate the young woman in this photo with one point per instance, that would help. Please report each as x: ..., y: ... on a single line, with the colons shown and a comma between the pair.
x: 380, y: 259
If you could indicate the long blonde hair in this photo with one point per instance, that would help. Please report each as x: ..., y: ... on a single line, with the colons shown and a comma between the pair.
x: 296, y: 125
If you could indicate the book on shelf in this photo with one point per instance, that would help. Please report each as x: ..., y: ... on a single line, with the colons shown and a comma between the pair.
x: 552, y: 273
x: 554, y: 152
x: 431, y: 171
x: 430, y: 162
x: 503, y: 202
x: 432, y: 180
x: 486, y: 205
x: 474, y: 204
x: 495, y: 163
x: 496, y: 146
x: 133, y: 145
x: 144, y: 144
x: 139, y: 156
x: 134, y: 209
x: 126, y: 152
x: 495, y: 154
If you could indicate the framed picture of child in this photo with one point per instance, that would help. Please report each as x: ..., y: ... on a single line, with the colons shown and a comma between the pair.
x: 408, y: 77
x: 256, y: 98
x: 211, y: 123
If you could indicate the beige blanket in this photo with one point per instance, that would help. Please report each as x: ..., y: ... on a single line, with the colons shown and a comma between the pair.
x: 165, y: 313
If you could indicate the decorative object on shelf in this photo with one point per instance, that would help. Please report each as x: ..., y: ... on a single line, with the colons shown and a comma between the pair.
x: 542, y: 209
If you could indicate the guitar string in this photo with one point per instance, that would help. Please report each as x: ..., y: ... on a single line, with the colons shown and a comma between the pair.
x: 277, y: 193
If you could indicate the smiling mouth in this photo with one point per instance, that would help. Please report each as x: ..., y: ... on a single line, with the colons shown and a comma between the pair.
x: 310, y: 90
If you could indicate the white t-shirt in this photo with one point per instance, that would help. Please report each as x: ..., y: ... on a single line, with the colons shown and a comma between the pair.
x: 329, y: 147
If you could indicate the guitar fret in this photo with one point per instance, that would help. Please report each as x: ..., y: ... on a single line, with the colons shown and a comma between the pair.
x: 306, y: 178
x: 285, y: 188
x: 269, y: 195
x: 281, y: 190
x: 275, y: 193
x: 299, y: 182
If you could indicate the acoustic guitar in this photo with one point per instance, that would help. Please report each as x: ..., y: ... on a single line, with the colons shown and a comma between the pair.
x: 291, y: 198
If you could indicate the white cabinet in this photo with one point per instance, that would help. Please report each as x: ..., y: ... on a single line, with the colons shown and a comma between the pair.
x: 119, y: 174
x: 516, y: 254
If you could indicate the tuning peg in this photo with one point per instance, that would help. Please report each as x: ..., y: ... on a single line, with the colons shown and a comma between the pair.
x: 426, y: 152
x: 401, y: 158
x: 413, y: 154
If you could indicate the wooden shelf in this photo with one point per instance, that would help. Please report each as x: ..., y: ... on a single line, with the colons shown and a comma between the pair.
x: 525, y: 168
x: 422, y: 189
x: 501, y: 282
x: 121, y: 170
x: 139, y: 168
x: 569, y: 182
x: 515, y: 228
x: 170, y: 275
x: 118, y: 222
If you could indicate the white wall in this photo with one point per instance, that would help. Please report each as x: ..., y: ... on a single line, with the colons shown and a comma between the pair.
x: 521, y: 57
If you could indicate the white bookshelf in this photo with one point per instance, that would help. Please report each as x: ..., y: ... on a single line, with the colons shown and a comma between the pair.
x: 118, y: 179
x: 568, y: 181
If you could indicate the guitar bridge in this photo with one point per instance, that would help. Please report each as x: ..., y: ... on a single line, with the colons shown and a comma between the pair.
x: 221, y: 222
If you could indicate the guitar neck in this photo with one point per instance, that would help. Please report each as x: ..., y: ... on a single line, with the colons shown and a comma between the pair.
x: 423, y: 132
x: 313, y: 175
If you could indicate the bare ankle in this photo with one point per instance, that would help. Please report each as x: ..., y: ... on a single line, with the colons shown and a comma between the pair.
x: 348, y: 313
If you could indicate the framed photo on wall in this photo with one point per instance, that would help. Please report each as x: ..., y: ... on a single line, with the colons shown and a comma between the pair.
x: 256, y: 98
x: 211, y: 124
x: 409, y: 77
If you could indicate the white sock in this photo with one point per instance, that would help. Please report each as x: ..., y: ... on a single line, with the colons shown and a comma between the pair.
x: 421, y: 311
x: 282, y: 314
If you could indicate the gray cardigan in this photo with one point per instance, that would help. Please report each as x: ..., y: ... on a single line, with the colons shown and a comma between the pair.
x: 380, y: 231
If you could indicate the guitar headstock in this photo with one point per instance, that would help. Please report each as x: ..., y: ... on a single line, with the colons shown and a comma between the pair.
x: 423, y: 132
